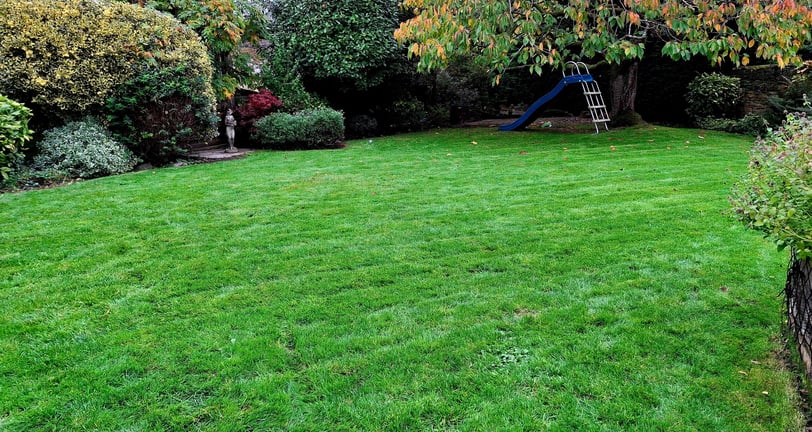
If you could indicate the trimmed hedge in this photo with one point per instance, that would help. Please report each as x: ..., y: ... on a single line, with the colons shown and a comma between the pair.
x: 308, y: 129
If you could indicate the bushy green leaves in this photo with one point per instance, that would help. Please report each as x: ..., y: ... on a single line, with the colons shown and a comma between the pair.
x: 223, y: 25
x: 343, y: 39
x: 161, y: 112
x: 14, y: 133
x: 68, y: 56
x: 83, y: 149
x: 313, y: 128
x: 714, y: 95
x: 776, y: 195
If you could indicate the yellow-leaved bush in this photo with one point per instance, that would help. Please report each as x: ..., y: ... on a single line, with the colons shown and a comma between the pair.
x: 65, y: 58
x: 71, y: 54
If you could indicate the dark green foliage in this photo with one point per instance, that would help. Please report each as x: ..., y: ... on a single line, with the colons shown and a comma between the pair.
x: 776, y: 195
x: 714, y: 95
x: 308, y: 129
x: 794, y: 98
x: 281, y: 76
x: 344, y: 40
x: 751, y: 124
x: 14, y: 133
x: 82, y: 149
x: 627, y: 118
x: 161, y: 113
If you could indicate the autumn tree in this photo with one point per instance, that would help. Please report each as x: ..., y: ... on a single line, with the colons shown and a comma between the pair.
x: 543, y: 34
x: 223, y: 25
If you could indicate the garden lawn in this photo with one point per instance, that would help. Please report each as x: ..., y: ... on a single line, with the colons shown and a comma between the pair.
x: 459, y: 280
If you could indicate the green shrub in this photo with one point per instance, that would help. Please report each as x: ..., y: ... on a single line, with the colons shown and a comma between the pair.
x: 161, y: 112
x: 308, y: 129
x: 82, y: 149
x: 775, y: 197
x: 714, y: 95
x: 65, y: 58
x: 751, y: 124
x: 14, y: 133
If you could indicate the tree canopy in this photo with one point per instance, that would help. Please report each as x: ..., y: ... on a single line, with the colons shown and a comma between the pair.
x: 539, y: 33
x: 344, y: 40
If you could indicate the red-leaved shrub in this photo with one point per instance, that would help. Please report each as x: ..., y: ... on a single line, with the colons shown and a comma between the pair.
x: 258, y: 105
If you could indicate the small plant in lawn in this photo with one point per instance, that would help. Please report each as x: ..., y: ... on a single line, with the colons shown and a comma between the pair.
x: 83, y: 149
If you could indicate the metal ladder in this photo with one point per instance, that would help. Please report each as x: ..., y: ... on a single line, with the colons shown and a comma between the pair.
x: 592, y: 94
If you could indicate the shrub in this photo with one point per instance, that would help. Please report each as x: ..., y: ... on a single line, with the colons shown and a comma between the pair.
x: 713, y: 95
x: 14, y: 133
x: 316, y: 128
x: 83, y: 149
x: 161, y: 112
x: 257, y: 106
x: 67, y: 56
x: 751, y: 124
x: 775, y: 197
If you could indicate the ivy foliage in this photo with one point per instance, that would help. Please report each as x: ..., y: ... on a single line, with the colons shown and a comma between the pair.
x: 14, y: 133
x: 775, y: 197
x: 345, y: 40
x: 67, y: 56
x: 539, y: 33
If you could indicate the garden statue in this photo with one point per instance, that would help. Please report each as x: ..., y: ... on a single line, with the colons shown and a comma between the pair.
x: 230, y: 124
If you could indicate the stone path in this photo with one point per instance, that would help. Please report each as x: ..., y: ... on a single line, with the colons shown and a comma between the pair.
x: 219, y: 154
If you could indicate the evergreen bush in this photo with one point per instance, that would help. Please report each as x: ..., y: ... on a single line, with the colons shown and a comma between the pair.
x: 14, y: 134
x: 308, y: 129
x: 82, y: 149
x: 66, y: 57
x: 162, y: 111
x: 714, y: 95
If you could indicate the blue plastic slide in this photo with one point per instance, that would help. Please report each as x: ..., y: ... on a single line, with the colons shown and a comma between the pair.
x: 534, y: 111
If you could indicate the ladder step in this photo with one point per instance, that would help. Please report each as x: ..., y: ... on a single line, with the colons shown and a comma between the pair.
x: 592, y: 92
x: 596, y: 106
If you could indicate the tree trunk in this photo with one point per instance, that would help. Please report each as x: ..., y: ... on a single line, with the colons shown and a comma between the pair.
x: 622, y: 89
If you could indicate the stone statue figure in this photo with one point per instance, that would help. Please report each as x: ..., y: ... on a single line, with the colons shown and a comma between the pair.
x: 230, y: 124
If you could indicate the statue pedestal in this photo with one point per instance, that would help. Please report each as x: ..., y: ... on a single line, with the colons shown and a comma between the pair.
x: 232, y: 149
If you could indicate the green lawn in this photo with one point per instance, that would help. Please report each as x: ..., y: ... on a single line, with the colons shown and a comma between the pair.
x: 459, y: 280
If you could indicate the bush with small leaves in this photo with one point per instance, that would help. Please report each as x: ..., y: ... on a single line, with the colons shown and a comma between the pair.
x: 775, y: 197
x: 14, y: 133
x: 308, y: 129
x: 714, y: 95
x: 64, y: 58
x: 82, y: 149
